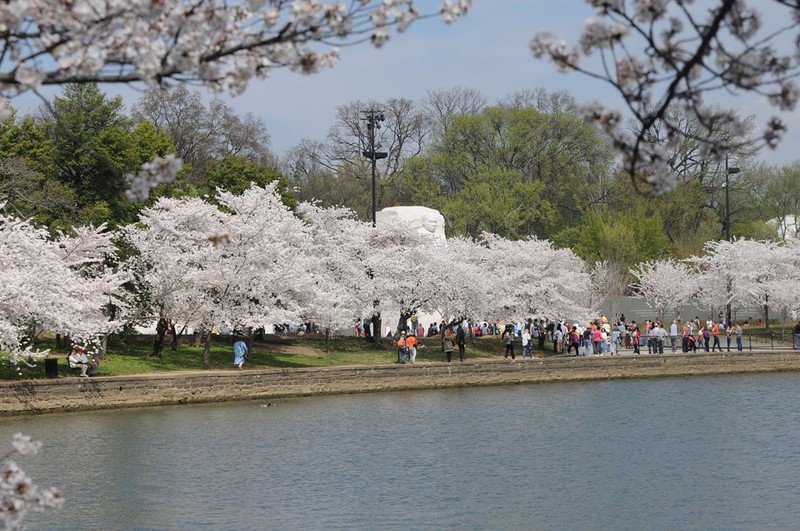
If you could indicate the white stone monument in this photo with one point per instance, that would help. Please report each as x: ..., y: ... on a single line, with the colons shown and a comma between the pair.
x: 422, y: 219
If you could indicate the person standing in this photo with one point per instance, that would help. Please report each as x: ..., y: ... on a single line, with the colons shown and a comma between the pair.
x: 728, y: 332
x: 447, y: 343
x: 508, y: 339
x: 587, y: 340
x: 673, y: 334
x: 614, y: 341
x: 540, y: 332
x: 461, y: 341
x: 738, y: 332
x: 635, y: 335
x: 401, y: 348
x: 239, y: 353
x: 558, y: 340
x: 526, y: 342
x: 411, y: 347
x: 597, y: 341
x: 797, y: 335
x: 660, y: 337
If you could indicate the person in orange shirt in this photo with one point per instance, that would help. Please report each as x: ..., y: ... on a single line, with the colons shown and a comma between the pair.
x: 411, y: 347
x: 401, y: 348
x: 715, y: 332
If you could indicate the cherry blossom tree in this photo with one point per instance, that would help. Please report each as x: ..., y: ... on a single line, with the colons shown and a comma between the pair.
x: 666, y: 285
x: 461, y: 287
x: 341, y: 290
x: 240, y: 262
x: 398, y: 260
x: 787, y: 296
x: 741, y: 273
x: 60, y: 285
x: 660, y: 53
x: 533, y: 279
x: 19, y: 495
x: 220, y: 44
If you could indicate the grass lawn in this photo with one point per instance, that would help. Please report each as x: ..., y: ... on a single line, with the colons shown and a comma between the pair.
x: 130, y: 355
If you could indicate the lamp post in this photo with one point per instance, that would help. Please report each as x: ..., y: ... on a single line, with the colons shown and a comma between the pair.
x: 373, y: 119
x: 728, y: 172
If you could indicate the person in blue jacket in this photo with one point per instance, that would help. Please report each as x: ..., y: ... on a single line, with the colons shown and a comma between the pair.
x: 239, y: 353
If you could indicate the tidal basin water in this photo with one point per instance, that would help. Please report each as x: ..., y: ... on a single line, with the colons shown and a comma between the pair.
x: 693, y: 453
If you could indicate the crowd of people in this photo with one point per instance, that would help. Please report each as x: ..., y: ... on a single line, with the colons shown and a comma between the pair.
x: 597, y: 338
x: 601, y: 336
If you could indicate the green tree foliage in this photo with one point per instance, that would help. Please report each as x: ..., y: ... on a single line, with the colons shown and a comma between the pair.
x: 93, y: 145
x: 499, y: 202
x: 236, y: 174
x: 772, y: 194
x: 27, y: 184
x: 484, y: 159
x: 621, y: 239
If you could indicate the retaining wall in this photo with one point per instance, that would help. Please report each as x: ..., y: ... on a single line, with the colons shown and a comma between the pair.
x: 71, y: 393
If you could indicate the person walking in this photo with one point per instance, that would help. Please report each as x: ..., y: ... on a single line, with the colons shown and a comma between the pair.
x: 411, y: 347
x: 239, y: 353
x: 447, y: 343
x: 461, y: 341
x: 508, y: 340
x: 574, y: 340
x: 715, y: 333
x: 401, y: 348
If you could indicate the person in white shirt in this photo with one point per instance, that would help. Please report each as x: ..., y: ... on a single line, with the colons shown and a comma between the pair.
x: 673, y: 334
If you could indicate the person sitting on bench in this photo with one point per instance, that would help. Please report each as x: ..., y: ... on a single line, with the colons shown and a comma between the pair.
x: 78, y: 360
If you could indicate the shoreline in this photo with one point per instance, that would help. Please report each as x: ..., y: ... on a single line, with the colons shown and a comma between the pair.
x: 69, y: 394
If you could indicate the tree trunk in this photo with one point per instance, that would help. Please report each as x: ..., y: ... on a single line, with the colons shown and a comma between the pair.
x: 175, y: 336
x: 207, y: 350
x: 198, y: 336
x: 158, y: 343
x: 101, y: 354
x: 377, y: 326
x: 328, y: 340
x: 402, y: 324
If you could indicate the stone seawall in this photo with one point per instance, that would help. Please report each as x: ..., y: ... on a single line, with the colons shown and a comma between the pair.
x: 81, y: 394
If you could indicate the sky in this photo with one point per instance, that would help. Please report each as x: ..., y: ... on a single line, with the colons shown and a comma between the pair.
x: 487, y: 50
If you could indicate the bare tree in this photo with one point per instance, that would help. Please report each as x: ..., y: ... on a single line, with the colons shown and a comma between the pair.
x: 402, y: 134
x: 443, y: 105
x: 202, y: 134
x: 686, y: 51
x: 549, y: 102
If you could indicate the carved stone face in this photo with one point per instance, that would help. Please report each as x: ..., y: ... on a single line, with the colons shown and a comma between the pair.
x: 423, y: 220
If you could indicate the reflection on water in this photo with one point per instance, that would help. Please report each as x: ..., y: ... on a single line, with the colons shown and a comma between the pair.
x: 697, y: 453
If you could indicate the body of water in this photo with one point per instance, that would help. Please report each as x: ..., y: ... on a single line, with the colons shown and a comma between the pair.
x: 691, y: 453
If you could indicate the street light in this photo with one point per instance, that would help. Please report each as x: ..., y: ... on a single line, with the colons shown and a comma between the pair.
x: 373, y: 119
x: 728, y: 172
